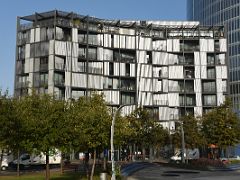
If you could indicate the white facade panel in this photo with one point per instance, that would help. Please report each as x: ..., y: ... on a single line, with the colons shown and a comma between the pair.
x: 163, y: 113
x: 130, y: 42
x: 32, y: 36
x: 224, y: 72
x: 78, y: 80
x: 169, y: 45
x: 220, y: 99
x: 27, y: 51
x: 197, y: 59
x: 75, y: 35
x: 95, y: 82
x: 197, y: 72
x: 106, y: 68
x: 132, y: 70
x: 197, y: 86
x: 116, y: 41
x: 100, y: 53
x: 160, y: 45
x: 219, y: 83
x: 160, y: 58
x: 197, y: 112
x: 75, y: 50
x: 157, y: 85
x: 122, y: 69
x: 173, y: 99
x: 107, y: 40
x: 107, y: 54
x: 176, y: 45
x: 70, y: 78
x: 51, y: 47
x: 116, y: 69
x: 165, y: 85
x: 122, y: 41
x: 199, y: 99
x: 203, y: 58
x: 50, y: 78
x: 172, y: 59
x: 37, y: 35
x: 210, y: 45
x: 27, y: 65
x: 175, y: 72
x: 203, y: 45
x: 141, y: 57
x: 203, y: 72
x: 223, y: 45
x: 60, y: 48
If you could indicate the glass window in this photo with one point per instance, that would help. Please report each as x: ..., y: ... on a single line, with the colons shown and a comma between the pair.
x: 209, y: 100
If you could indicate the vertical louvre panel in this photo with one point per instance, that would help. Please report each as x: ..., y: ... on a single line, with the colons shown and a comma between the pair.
x: 197, y: 112
x: 107, y: 40
x: 67, y: 92
x: 100, y: 39
x: 68, y: 78
x: 132, y: 70
x: 60, y: 48
x: 220, y: 99
x: 203, y: 72
x: 165, y: 85
x: 169, y: 45
x: 176, y: 45
x: 219, y: 85
x: 108, y: 54
x: 50, y: 78
x: 75, y: 50
x: 31, y: 65
x: 203, y: 58
x: 130, y: 42
x: 163, y: 113
x: 32, y: 36
x: 210, y: 45
x: 198, y: 99
x: 197, y: 58
x: 203, y: 45
x: 197, y: 85
x: 69, y: 49
x: 27, y: 51
x: 197, y: 71
x: 78, y: 80
x: 173, y: 99
x: 160, y: 45
x: 141, y: 57
x: 68, y: 63
x: 116, y: 41
x: 51, y: 47
x: 218, y: 72
x: 116, y: 69
x: 172, y: 59
x: 176, y: 72
x: 37, y: 64
x: 37, y: 35
x: 100, y: 53
x: 106, y: 68
x: 224, y: 72
x: 223, y: 45
x: 160, y: 58
x: 122, y: 42
x: 75, y: 35
x: 122, y: 69
x: 27, y: 64
x: 74, y: 64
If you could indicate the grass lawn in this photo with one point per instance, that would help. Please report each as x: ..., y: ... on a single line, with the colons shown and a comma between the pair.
x: 53, y: 176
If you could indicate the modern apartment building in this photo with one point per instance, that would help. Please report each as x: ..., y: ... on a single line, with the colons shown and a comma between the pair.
x: 227, y: 13
x: 171, y: 68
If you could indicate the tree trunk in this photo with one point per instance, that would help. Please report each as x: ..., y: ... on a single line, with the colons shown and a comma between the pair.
x: 47, y: 166
x: 1, y: 160
x: 62, y: 170
x: 18, y: 163
x: 143, y: 153
x: 94, y: 162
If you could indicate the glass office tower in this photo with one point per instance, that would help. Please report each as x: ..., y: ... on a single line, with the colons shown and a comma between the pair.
x: 223, y: 12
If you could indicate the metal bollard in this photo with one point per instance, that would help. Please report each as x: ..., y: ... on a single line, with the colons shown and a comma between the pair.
x: 103, y: 176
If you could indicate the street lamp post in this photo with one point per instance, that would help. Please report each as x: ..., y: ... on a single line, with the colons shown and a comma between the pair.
x: 112, y: 146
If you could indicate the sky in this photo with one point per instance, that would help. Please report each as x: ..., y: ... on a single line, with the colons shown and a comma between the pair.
x: 108, y: 9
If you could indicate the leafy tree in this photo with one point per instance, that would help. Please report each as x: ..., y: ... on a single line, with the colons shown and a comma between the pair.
x: 43, y: 114
x: 221, y: 126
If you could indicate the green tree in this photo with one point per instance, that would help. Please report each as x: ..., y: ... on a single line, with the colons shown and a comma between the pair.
x: 220, y: 126
x: 42, y: 114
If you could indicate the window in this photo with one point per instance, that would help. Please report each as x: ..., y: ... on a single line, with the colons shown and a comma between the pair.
x: 59, y: 79
x: 43, y: 79
x: 209, y: 100
x: 211, y: 73
x: 209, y: 86
x: 127, y: 98
x: 127, y: 66
x: 111, y: 69
x: 210, y: 59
